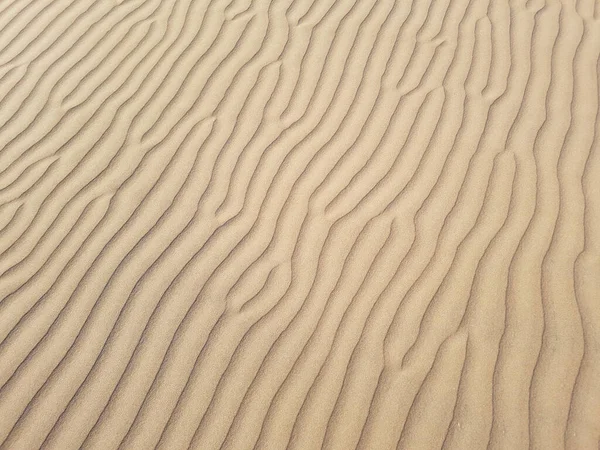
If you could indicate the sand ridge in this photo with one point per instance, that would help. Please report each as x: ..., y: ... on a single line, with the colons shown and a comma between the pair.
x: 303, y: 224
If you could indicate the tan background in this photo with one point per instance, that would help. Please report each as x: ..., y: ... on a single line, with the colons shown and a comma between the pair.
x: 303, y: 224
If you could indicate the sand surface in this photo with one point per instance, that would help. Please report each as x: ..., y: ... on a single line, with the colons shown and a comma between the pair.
x: 299, y: 224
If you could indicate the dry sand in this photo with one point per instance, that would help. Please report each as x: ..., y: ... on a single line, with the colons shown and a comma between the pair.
x: 303, y: 224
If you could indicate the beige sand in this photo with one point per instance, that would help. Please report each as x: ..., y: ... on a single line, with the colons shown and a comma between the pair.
x: 303, y: 224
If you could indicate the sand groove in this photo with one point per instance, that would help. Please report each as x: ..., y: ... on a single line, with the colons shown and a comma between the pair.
x: 303, y: 224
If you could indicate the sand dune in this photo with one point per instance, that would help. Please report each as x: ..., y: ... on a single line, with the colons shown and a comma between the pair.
x: 303, y: 224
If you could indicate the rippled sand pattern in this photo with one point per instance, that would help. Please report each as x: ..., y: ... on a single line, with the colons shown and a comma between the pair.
x: 299, y: 224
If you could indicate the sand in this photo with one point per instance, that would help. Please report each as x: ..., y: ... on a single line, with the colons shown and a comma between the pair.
x: 299, y: 224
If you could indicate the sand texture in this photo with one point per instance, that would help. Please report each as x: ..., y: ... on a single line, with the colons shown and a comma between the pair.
x: 299, y: 224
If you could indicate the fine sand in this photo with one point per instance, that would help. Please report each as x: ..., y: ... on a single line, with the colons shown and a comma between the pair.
x: 299, y: 224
